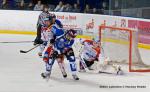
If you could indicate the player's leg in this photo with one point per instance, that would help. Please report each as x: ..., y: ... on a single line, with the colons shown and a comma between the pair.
x: 48, y: 66
x: 82, y: 65
x: 49, y: 59
x: 61, y: 65
x: 49, y: 56
x: 47, y: 53
x: 85, y: 65
x: 71, y: 57
x: 106, y: 66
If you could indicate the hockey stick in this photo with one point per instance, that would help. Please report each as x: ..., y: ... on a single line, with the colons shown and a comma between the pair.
x: 22, y: 51
x: 105, y: 72
x: 18, y: 42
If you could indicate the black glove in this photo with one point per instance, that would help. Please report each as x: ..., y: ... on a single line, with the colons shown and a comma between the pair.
x: 52, y: 41
x: 38, y: 41
x: 55, y: 54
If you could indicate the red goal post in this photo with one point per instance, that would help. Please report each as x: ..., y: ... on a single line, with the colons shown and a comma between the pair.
x: 106, y: 31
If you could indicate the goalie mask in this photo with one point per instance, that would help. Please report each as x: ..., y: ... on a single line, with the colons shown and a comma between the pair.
x: 96, y: 42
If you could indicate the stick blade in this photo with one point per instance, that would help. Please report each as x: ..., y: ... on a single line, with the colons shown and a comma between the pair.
x: 21, y: 51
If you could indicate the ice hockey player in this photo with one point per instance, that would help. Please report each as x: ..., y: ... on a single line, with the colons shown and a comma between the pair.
x: 56, y: 26
x: 46, y: 20
x: 57, y: 30
x: 45, y: 32
x: 63, y: 46
x: 42, y: 24
x: 90, y: 53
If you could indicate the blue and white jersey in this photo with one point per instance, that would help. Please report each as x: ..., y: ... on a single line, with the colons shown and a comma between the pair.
x: 55, y: 32
x: 62, y: 43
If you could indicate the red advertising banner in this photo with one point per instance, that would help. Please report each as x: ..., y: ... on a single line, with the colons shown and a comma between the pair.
x: 143, y: 28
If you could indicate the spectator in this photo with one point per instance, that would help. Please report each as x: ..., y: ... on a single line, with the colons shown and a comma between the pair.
x: 75, y: 8
x: 51, y: 7
x: 30, y: 6
x: 38, y: 6
x: 87, y: 9
x: 67, y: 8
x: 4, y: 4
x: 94, y: 11
x: 21, y: 5
x: 105, y: 5
x: 59, y: 7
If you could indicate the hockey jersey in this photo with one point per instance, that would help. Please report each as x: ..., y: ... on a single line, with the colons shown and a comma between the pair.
x: 45, y: 33
x: 62, y: 44
x: 89, y: 52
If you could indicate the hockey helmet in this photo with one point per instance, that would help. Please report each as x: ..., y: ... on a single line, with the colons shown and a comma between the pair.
x: 96, y: 42
x: 72, y: 33
x: 53, y: 16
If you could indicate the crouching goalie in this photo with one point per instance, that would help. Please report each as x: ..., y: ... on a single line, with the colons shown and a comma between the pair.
x: 92, y: 52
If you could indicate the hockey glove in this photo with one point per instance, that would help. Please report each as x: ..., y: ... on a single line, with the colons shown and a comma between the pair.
x: 52, y: 41
x: 38, y: 41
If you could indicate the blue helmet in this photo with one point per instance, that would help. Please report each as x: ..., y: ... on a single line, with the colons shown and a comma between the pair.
x: 59, y: 23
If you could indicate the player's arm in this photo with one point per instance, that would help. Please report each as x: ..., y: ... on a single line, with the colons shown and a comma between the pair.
x: 70, y: 44
x: 57, y: 31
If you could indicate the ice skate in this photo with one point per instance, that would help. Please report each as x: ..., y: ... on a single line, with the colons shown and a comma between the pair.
x: 45, y: 75
x: 64, y: 74
x: 119, y: 71
x: 75, y: 77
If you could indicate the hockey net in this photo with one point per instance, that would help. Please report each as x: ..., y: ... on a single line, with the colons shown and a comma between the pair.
x: 121, y: 46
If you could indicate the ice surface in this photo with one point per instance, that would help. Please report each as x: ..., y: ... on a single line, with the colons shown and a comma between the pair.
x: 21, y: 73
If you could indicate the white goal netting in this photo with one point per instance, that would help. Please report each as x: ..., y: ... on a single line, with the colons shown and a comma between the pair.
x: 121, y: 46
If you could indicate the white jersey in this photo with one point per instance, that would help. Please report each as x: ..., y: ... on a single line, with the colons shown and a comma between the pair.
x: 48, y: 33
x: 89, y: 53
x: 45, y: 33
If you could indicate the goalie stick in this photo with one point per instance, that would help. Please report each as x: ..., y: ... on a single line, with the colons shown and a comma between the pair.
x: 22, y: 51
